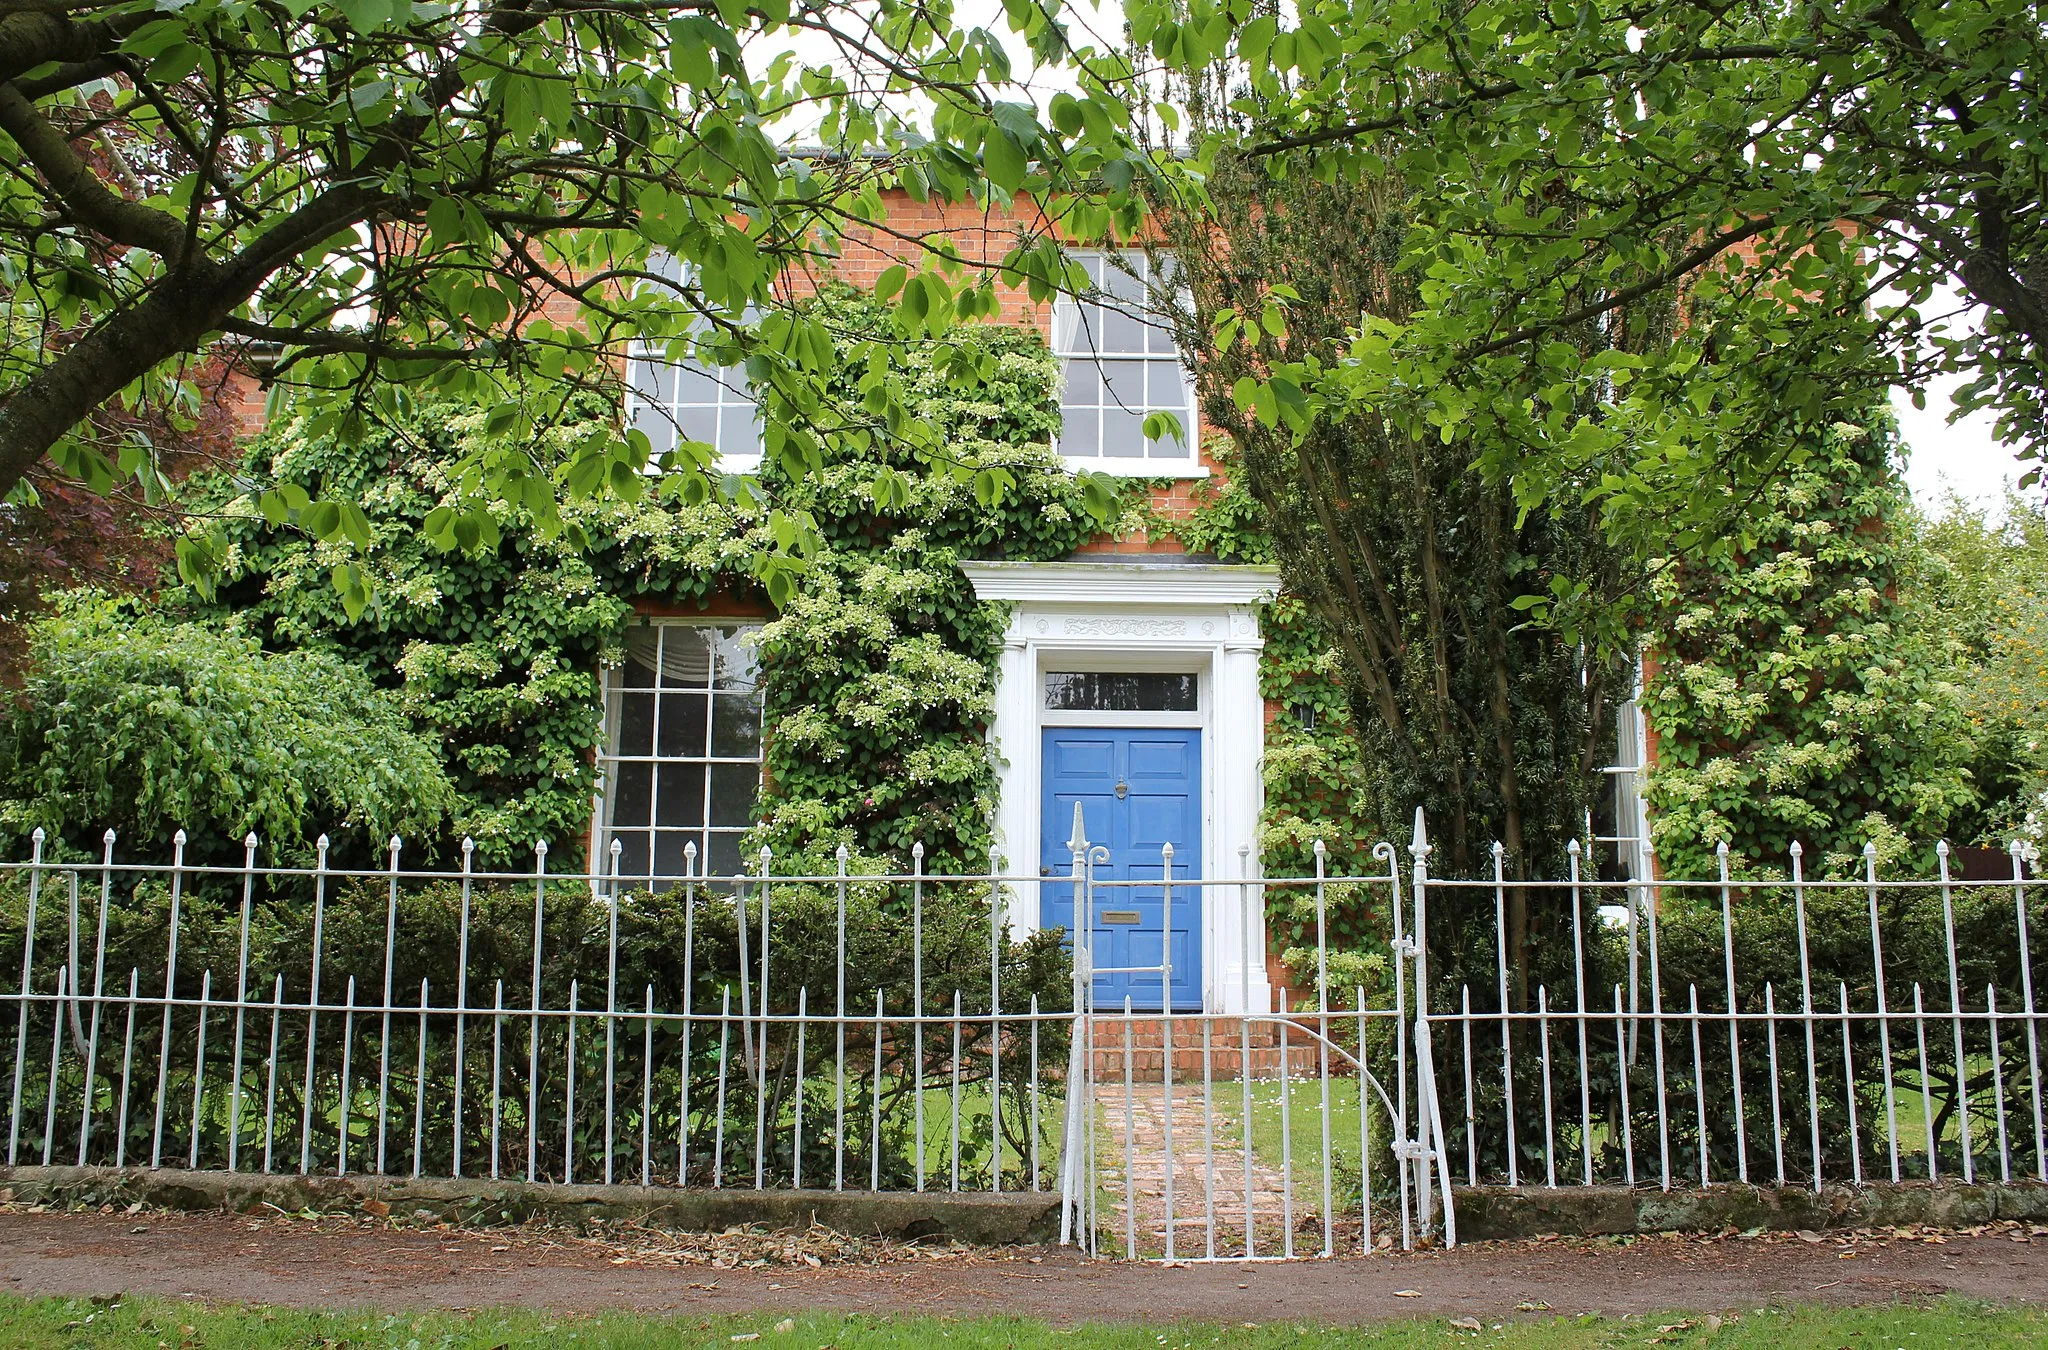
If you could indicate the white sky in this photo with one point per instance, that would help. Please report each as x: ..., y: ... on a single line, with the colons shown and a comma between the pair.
x: 1965, y: 458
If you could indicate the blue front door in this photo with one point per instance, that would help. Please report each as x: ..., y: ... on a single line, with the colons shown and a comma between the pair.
x: 1138, y: 790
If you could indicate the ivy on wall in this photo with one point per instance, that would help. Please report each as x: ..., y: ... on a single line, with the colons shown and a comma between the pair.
x: 877, y: 671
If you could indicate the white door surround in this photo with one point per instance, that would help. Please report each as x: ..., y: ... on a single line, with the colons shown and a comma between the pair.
x: 1144, y: 614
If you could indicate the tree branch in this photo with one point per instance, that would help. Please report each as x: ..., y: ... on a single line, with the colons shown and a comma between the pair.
x: 90, y: 201
x: 1686, y: 263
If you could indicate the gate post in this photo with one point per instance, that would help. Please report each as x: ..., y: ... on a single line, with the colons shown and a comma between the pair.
x: 1430, y: 1147
x: 1077, y: 1181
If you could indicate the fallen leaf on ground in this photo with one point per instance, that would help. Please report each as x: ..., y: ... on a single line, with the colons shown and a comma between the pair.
x: 1407, y: 1293
x: 1466, y: 1324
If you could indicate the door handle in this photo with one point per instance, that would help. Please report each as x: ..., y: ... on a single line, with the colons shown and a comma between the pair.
x: 1123, y: 789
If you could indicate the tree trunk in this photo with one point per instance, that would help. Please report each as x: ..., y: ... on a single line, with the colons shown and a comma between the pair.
x: 172, y: 319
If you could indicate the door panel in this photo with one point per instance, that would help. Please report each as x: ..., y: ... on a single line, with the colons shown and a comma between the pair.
x: 1159, y: 772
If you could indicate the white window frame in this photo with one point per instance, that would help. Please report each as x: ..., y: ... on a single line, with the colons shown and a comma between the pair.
x: 1624, y: 779
x: 612, y: 755
x: 731, y: 392
x: 1075, y: 320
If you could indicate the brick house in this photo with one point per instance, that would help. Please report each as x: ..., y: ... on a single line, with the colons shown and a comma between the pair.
x: 1128, y: 682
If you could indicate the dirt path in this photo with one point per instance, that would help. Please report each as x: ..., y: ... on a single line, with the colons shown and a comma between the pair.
x: 359, y: 1263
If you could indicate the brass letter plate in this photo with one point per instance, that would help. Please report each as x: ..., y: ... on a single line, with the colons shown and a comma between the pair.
x: 1121, y: 916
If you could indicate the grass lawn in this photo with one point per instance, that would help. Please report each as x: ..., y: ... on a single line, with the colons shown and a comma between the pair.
x: 71, y: 1323
x: 1301, y: 1142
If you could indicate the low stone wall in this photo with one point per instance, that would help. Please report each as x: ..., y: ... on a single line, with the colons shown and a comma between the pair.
x: 1486, y: 1212
x: 979, y: 1218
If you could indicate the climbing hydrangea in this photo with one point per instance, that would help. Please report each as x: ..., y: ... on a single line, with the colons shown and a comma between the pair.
x: 877, y: 672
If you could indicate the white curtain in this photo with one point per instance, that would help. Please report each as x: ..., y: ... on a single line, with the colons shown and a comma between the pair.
x: 678, y: 651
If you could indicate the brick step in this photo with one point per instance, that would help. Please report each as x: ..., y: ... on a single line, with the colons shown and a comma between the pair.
x: 1146, y: 1066
x: 1227, y: 1058
x: 1149, y: 1033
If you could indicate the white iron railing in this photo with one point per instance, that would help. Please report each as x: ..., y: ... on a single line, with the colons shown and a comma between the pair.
x: 893, y: 1033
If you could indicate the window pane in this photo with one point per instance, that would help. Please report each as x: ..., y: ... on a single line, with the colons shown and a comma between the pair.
x: 722, y: 848
x: 655, y: 423
x: 1081, y: 433
x: 682, y: 725
x: 697, y: 384
x: 1123, y: 281
x: 1123, y: 433
x: 1160, y: 336
x: 1116, y: 691
x: 653, y: 379
x: 736, y: 665
x: 636, y: 724
x: 632, y: 853
x: 732, y: 793
x: 736, y: 726
x: 1122, y: 328
x: 682, y: 795
x: 1125, y: 384
x: 1163, y: 386
x: 737, y: 432
x: 635, y: 672
x: 632, y: 793
x: 669, y: 860
x: 1083, y: 383
x: 697, y: 422
x: 685, y: 657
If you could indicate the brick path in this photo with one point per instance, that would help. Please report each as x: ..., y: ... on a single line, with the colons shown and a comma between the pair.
x: 1192, y: 1178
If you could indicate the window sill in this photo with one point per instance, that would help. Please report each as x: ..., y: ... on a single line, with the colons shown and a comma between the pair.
x: 1143, y: 468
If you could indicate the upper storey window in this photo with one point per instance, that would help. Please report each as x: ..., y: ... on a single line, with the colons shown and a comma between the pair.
x: 1120, y: 364
x: 691, y: 401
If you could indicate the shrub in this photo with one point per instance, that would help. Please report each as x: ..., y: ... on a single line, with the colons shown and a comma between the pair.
x: 145, y: 727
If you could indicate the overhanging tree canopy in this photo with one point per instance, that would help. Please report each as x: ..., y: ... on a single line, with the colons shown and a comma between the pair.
x: 491, y: 201
x: 1778, y: 164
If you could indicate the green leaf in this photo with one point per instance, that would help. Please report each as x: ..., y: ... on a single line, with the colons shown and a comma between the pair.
x: 1004, y: 160
x: 321, y: 519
